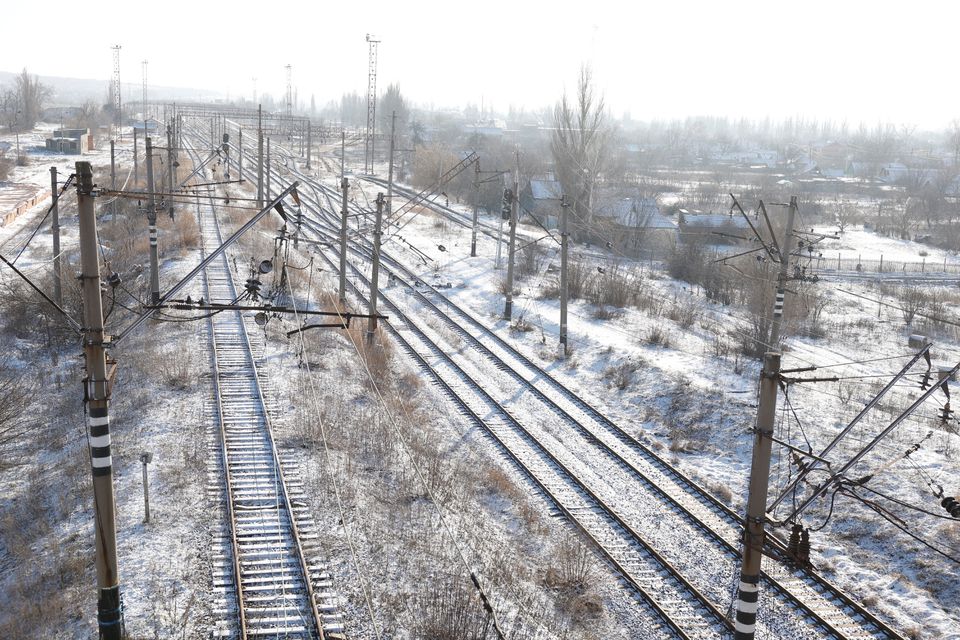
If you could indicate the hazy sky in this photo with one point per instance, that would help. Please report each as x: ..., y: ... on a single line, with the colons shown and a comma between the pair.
x: 843, y: 59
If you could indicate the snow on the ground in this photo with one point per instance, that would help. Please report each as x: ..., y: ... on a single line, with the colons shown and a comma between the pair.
x: 856, y: 242
x: 864, y: 555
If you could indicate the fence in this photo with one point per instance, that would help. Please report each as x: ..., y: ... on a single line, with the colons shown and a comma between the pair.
x: 881, y: 265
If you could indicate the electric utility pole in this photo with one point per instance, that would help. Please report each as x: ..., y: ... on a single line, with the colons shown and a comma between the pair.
x: 152, y: 220
x: 170, y: 169
x: 55, y: 228
x: 753, y: 537
x: 372, y: 327
x: 508, y: 307
x: 309, y: 142
x: 564, y: 241
x: 784, y: 274
x: 260, y: 156
x: 393, y: 125
x: 97, y: 394
x: 267, y: 169
x: 240, y: 152
x: 344, y: 187
x: 476, y: 208
x: 226, y: 153
x: 136, y: 162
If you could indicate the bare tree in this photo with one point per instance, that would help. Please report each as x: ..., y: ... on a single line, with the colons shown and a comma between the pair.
x: 580, y: 145
x: 31, y: 96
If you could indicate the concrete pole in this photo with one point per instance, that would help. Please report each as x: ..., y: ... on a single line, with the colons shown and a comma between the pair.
x: 267, y: 169
x: 372, y: 326
x: 343, y: 151
x: 508, y: 307
x: 136, y: 162
x: 170, y: 170
x: 564, y: 281
x: 97, y: 392
x: 152, y: 220
x: 393, y: 126
x: 226, y: 153
x: 785, y: 248
x: 240, y: 153
x: 476, y: 208
x: 145, y: 459
x: 749, y: 591
x: 55, y: 228
x: 344, y: 187
x: 259, y: 158
x: 309, y: 142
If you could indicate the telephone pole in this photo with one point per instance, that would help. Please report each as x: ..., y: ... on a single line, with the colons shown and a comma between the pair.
x: 749, y: 591
x: 372, y: 326
x: 393, y: 126
x: 564, y: 241
x: 55, y: 228
x: 152, y: 220
x: 344, y: 187
x: 476, y: 208
x: 508, y: 307
x: 97, y: 393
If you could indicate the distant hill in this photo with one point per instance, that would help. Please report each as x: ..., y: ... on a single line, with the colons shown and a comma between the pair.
x: 74, y: 91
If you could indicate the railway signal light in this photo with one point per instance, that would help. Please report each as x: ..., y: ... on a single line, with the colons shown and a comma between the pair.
x: 507, y: 204
x: 952, y: 505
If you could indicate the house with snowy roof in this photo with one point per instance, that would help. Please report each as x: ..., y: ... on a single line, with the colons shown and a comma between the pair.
x: 540, y: 198
x: 636, y: 224
x: 696, y: 224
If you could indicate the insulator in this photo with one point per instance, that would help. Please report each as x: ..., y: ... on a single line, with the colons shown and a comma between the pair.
x: 793, y: 545
x: 952, y: 505
x: 804, y: 551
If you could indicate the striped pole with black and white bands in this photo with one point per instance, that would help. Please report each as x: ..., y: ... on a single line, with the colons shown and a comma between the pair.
x: 745, y: 624
x: 97, y: 393
x: 753, y: 535
x: 99, y: 423
x: 778, y: 304
x: 152, y: 219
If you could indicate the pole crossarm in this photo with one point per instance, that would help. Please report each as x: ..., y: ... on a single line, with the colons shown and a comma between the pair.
x: 210, y: 258
x: 863, y: 412
x: 838, y: 475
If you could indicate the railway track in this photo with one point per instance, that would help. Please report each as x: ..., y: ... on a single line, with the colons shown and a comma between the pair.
x: 819, y: 604
x: 266, y: 574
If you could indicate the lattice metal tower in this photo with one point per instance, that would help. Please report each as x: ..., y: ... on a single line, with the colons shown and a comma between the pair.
x: 371, y: 105
x: 289, y: 105
x: 116, y: 85
x: 144, y: 94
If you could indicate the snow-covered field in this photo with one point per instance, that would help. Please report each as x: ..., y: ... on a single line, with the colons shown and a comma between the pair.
x: 670, y: 374
x: 684, y: 396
